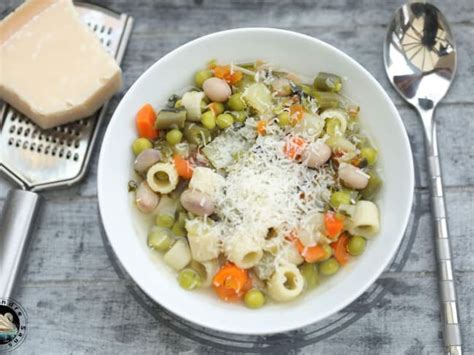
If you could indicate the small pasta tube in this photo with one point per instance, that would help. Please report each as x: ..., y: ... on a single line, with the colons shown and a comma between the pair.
x: 365, y: 221
x: 244, y: 251
x: 203, y: 239
x: 206, y: 181
x: 162, y: 177
x: 207, y: 270
x: 286, y: 283
x: 179, y: 255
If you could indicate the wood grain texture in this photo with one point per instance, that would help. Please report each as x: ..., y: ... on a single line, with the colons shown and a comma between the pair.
x: 77, y: 302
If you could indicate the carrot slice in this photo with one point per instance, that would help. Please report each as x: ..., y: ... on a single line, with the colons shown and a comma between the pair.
x: 221, y: 71
x: 145, y: 120
x: 230, y: 282
x: 235, y: 77
x: 340, y: 249
x: 262, y: 127
x: 310, y: 254
x: 224, y: 72
x: 333, y: 224
x: 183, y: 167
x: 294, y: 147
x: 313, y: 254
x: 296, y: 113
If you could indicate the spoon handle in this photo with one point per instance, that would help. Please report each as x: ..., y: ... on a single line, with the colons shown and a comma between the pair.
x: 449, y: 309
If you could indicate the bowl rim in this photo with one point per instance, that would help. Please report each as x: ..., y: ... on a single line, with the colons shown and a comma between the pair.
x: 370, y: 280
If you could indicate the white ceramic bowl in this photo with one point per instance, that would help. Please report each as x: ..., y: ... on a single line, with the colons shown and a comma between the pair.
x: 126, y: 230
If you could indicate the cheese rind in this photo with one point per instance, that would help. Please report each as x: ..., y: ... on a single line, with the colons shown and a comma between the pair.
x: 53, y: 68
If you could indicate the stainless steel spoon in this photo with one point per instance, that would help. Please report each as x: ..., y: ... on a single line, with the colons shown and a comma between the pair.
x: 420, y: 60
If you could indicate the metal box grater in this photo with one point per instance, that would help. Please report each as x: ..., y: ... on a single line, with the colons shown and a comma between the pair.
x: 39, y: 159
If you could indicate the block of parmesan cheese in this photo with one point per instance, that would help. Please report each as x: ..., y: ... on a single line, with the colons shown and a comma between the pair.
x: 52, y: 67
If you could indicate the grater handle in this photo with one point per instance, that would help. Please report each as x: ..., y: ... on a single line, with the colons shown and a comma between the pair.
x: 16, y: 225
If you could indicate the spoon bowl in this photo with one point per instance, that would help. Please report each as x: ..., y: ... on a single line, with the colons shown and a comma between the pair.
x: 420, y: 61
x: 420, y: 55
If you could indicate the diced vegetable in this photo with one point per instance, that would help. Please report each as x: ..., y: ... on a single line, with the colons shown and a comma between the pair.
x: 192, y: 103
x: 171, y: 118
x: 340, y: 197
x: 183, y: 167
x: 259, y: 97
x: 189, y: 279
x: 145, y: 120
x: 369, y: 154
x: 224, y: 72
x: 262, y: 127
x: 327, y: 100
x: 328, y: 82
x: 196, y: 134
x: 333, y: 224
x: 340, y: 249
x: 159, y: 238
x: 230, y: 283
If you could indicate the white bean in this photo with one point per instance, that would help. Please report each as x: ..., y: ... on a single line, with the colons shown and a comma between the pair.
x: 197, y: 202
x: 352, y: 176
x: 217, y: 89
x: 146, y: 199
x: 316, y: 154
x: 146, y: 159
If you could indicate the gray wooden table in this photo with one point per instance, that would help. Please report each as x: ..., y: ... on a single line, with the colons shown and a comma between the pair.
x: 78, y: 301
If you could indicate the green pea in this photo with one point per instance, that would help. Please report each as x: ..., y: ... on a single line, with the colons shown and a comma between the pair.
x: 178, y: 230
x: 239, y: 116
x: 284, y: 119
x: 174, y: 136
x: 140, y: 144
x: 254, y: 298
x: 342, y: 197
x: 329, y: 267
x: 178, y: 104
x: 224, y: 120
x: 159, y: 239
x: 189, y: 279
x: 310, y: 275
x: 208, y: 120
x: 356, y: 245
x: 369, y: 154
x: 328, y: 250
x: 236, y: 103
x: 201, y: 76
x: 218, y: 107
x: 164, y: 220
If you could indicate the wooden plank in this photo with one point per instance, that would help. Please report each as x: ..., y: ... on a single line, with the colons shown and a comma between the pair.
x: 105, y: 317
